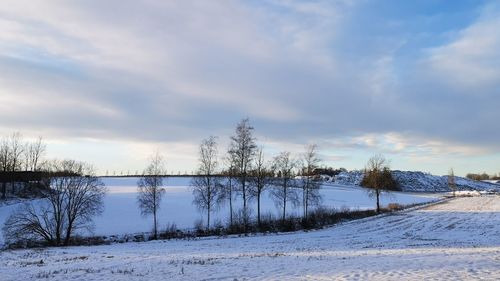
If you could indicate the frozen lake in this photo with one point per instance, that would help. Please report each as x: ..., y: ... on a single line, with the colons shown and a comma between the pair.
x: 122, y: 216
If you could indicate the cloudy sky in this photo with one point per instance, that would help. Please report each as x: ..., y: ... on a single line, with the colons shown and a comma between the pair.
x: 111, y: 81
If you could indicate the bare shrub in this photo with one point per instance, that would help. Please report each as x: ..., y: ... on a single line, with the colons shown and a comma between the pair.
x: 72, y: 202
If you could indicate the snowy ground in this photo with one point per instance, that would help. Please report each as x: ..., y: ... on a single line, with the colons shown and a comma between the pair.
x: 456, y: 240
x: 122, y: 216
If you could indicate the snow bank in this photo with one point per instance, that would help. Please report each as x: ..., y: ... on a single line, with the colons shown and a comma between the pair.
x: 420, y: 182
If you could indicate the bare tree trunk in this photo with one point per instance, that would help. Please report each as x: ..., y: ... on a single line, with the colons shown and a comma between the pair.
x: 306, y: 201
x: 245, y: 214
x: 155, y: 226
x: 209, y: 204
x: 258, y: 208
x: 230, y: 204
x: 68, y: 234
x: 378, y: 199
x: 208, y: 219
x: 284, y: 202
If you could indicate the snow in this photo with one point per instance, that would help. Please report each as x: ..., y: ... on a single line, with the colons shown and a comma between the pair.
x: 497, y: 182
x: 122, y: 216
x: 455, y: 240
x: 420, y: 182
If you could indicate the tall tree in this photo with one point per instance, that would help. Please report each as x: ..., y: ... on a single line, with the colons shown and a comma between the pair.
x: 242, y: 151
x: 259, y: 179
x: 16, y: 151
x: 283, y: 192
x: 150, y: 189
x: 378, y: 177
x: 309, y: 185
x: 206, y: 185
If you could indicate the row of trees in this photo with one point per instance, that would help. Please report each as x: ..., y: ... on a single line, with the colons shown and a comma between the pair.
x: 483, y: 176
x: 16, y: 154
x: 241, y: 174
x: 19, y: 155
x: 247, y: 174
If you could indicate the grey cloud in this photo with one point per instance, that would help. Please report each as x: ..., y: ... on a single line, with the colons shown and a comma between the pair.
x: 161, y: 71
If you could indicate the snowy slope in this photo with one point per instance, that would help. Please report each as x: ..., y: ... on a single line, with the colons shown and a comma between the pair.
x: 456, y: 240
x: 420, y: 182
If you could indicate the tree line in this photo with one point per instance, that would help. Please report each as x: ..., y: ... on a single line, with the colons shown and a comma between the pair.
x: 239, y: 175
x: 482, y: 176
x: 19, y: 155
x: 242, y: 173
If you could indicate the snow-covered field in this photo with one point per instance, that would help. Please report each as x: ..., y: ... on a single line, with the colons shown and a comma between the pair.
x: 122, y: 216
x: 455, y: 240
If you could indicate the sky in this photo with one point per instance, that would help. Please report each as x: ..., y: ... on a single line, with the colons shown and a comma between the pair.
x: 110, y: 82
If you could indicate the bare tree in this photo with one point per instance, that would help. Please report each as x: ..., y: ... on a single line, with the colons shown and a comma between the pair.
x: 206, y: 185
x: 309, y: 185
x: 33, y: 152
x: 150, y: 189
x: 283, y: 192
x: 259, y: 179
x: 5, y: 162
x: 378, y: 178
x: 28, y: 223
x: 242, y: 151
x: 16, y: 151
x: 11, y: 150
x: 228, y: 186
x: 451, y: 181
x: 84, y: 196
x: 75, y: 196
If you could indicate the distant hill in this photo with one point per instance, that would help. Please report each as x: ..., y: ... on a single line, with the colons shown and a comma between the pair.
x: 419, y: 181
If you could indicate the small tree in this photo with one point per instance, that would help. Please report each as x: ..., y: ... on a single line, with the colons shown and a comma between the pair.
x: 242, y: 151
x: 378, y: 177
x: 84, y: 196
x: 259, y: 179
x: 206, y: 186
x: 283, y: 192
x: 309, y: 185
x: 150, y: 189
x: 75, y: 196
x: 451, y: 181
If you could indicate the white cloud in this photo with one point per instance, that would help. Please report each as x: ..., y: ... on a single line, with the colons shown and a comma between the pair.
x: 472, y: 59
x: 177, y: 71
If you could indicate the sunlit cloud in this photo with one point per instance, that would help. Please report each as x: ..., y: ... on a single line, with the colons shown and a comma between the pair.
x: 409, y: 80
